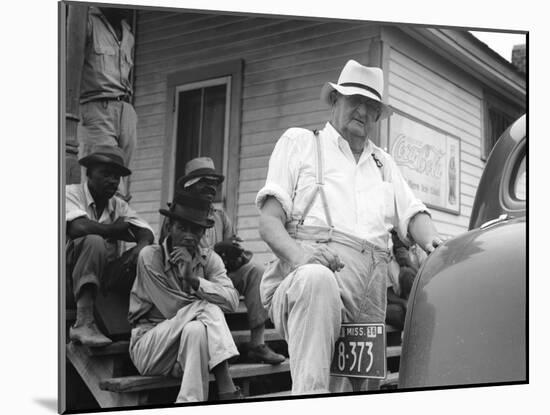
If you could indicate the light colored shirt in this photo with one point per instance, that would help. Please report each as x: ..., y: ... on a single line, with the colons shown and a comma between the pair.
x: 108, y: 60
x: 79, y: 203
x: 364, y: 200
x: 159, y: 290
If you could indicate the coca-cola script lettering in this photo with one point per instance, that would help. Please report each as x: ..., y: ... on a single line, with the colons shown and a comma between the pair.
x: 423, y: 158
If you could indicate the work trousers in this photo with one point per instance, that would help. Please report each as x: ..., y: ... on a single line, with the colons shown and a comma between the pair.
x: 247, y: 282
x: 197, y: 338
x: 108, y: 122
x: 92, y: 260
x: 310, y: 304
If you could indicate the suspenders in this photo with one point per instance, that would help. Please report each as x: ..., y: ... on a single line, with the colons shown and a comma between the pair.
x: 319, y: 185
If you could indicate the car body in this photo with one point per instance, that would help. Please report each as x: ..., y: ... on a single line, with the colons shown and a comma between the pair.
x: 467, y: 314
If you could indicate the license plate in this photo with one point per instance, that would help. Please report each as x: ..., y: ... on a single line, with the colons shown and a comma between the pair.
x: 360, y: 351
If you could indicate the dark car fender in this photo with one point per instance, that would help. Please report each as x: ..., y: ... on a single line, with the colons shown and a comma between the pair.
x: 466, y: 319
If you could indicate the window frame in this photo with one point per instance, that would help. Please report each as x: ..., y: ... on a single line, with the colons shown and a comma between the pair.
x: 493, y: 102
x: 176, y: 82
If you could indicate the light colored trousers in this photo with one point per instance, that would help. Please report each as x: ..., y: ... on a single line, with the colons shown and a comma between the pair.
x: 112, y: 123
x: 310, y: 304
x: 197, y: 337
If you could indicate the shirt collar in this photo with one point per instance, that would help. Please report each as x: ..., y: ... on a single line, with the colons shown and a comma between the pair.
x: 330, y: 132
x: 90, y: 202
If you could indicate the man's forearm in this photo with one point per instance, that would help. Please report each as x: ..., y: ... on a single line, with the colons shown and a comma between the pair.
x: 422, y: 230
x: 83, y: 226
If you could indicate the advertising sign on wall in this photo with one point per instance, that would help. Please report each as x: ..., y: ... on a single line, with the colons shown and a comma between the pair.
x: 429, y: 159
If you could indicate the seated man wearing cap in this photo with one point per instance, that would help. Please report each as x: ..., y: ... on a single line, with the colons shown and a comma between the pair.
x: 329, y: 201
x: 201, y: 178
x: 177, y: 303
x: 97, y: 221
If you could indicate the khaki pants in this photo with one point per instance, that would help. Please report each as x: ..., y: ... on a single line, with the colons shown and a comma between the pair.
x: 108, y: 122
x: 197, y: 337
x: 92, y: 260
x: 310, y: 304
x: 247, y: 282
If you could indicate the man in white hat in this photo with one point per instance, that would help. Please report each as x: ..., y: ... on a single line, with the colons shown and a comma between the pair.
x: 329, y: 201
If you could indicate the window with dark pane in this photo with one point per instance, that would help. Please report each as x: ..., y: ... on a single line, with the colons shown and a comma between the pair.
x: 201, y: 127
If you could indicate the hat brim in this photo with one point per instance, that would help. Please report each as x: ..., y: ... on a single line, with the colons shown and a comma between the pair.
x: 94, y: 159
x: 204, y: 222
x: 386, y: 110
x: 197, y: 174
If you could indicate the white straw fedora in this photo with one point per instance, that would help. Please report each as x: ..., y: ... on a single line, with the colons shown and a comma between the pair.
x: 356, y: 79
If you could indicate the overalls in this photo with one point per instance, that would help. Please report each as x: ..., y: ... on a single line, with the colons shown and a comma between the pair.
x: 309, y: 303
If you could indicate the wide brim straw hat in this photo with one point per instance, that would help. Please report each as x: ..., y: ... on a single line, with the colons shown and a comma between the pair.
x: 197, y: 168
x: 356, y: 79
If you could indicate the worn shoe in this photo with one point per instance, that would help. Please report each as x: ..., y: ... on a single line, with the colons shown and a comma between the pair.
x: 230, y: 396
x: 89, y: 335
x: 262, y: 353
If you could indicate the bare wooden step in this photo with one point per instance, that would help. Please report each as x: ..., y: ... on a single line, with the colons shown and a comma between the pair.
x: 393, y: 351
x: 272, y: 395
x: 391, y: 378
x: 140, y: 383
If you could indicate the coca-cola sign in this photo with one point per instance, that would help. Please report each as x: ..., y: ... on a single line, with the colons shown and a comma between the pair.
x: 429, y: 159
x: 422, y: 158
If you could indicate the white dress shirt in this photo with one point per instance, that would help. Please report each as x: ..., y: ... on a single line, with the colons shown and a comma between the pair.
x: 364, y: 200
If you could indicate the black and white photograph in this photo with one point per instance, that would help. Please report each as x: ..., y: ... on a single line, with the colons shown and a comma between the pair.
x: 259, y: 207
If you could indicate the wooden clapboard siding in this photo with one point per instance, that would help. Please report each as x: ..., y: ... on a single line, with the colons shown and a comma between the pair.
x: 442, y: 99
x: 286, y: 62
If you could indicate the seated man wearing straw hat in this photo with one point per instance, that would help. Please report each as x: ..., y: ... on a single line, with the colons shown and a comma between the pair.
x: 328, y: 204
x: 202, y: 179
x: 97, y: 221
x: 177, y: 303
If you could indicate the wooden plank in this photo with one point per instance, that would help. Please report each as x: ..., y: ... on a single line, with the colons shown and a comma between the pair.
x: 209, y: 37
x: 272, y: 395
x: 92, y: 371
x: 447, y: 104
x: 429, y: 108
x: 351, y: 38
x: 284, y: 110
x: 142, y: 383
x: 232, y: 46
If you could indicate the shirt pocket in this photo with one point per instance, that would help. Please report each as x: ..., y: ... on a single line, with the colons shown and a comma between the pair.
x: 105, y: 56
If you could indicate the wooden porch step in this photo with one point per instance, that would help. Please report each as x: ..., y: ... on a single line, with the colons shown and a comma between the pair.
x: 272, y: 395
x: 141, y: 383
x: 121, y: 347
x: 393, y: 351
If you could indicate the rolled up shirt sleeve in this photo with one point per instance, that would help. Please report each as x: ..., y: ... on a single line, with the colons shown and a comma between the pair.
x: 216, y: 287
x: 283, y: 171
x: 406, y: 203
x: 74, y: 204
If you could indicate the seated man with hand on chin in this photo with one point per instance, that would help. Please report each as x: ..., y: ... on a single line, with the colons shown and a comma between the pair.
x: 177, y: 304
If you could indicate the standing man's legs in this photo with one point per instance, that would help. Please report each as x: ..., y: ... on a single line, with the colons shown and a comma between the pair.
x: 108, y: 122
x: 307, y: 309
x: 247, y: 281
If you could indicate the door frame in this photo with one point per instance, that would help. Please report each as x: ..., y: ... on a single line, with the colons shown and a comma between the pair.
x: 174, y: 83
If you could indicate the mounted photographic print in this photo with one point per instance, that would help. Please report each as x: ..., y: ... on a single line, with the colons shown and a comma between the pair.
x: 244, y: 196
